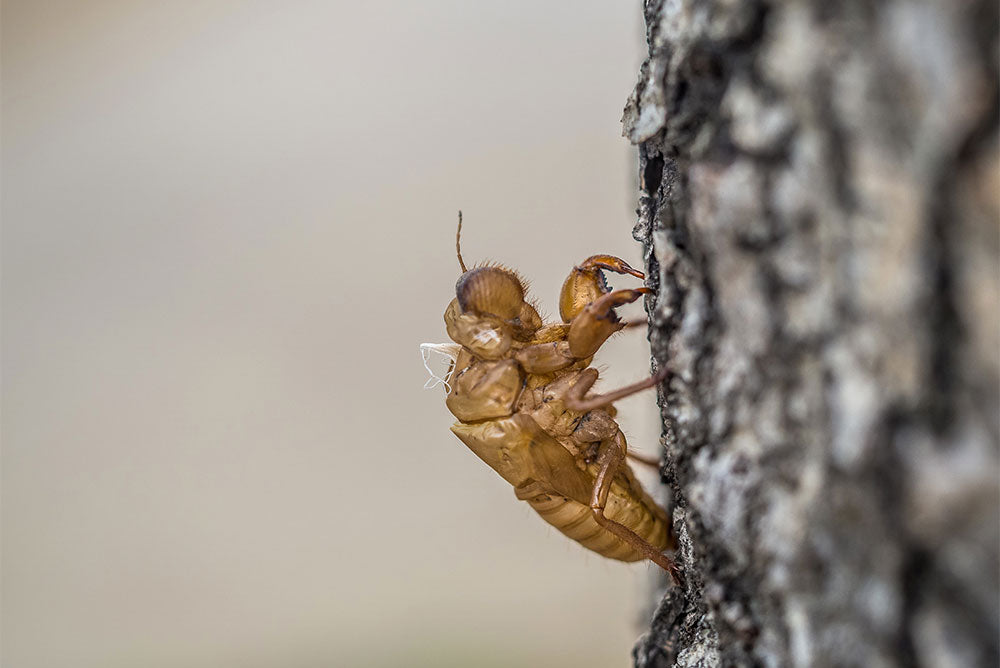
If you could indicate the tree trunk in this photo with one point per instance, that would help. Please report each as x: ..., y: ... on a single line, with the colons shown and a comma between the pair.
x: 819, y: 205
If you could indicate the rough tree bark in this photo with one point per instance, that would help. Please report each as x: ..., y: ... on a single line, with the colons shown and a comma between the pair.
x: 819, y: 205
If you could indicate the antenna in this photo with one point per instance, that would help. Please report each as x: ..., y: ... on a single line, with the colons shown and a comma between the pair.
x: 458, y: 243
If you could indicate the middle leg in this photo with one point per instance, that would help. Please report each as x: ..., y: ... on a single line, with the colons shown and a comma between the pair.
x: 575, y: 396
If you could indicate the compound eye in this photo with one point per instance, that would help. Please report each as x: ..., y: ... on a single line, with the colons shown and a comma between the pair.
x: 490, y: 291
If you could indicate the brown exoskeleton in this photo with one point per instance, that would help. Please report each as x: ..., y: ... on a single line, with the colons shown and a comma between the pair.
x: 519, y: 390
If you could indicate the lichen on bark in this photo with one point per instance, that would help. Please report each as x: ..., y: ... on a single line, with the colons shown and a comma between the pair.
x: 819, y: 204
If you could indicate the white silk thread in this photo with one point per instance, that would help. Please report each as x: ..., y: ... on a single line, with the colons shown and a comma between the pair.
x: 447, y: 350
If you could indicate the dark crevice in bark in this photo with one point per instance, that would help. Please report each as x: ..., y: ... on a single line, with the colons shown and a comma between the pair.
x: 944, y: 317
x: 915, y: 570
x: 652, y: 174
x: 838, y: 144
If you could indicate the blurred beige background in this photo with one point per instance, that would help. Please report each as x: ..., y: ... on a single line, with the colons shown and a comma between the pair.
x: 226, y: 228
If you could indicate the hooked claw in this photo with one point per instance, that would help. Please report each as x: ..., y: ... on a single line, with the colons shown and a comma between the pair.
x: 611, y: 263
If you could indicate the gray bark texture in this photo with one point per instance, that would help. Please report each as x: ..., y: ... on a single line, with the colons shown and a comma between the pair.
x: 820, y: 208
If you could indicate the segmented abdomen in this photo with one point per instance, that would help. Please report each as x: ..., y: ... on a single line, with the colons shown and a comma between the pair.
x: 576, y: 521
x: 552, y: 481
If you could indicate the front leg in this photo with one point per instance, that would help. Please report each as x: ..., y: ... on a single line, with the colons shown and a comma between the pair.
x: 587, y: 332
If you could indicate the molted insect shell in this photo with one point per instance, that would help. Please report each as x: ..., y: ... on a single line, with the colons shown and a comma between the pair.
x: 485, y: 336
x: 492, y: 291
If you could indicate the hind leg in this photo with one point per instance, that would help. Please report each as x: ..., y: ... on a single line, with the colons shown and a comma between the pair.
x: 610, y: 459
